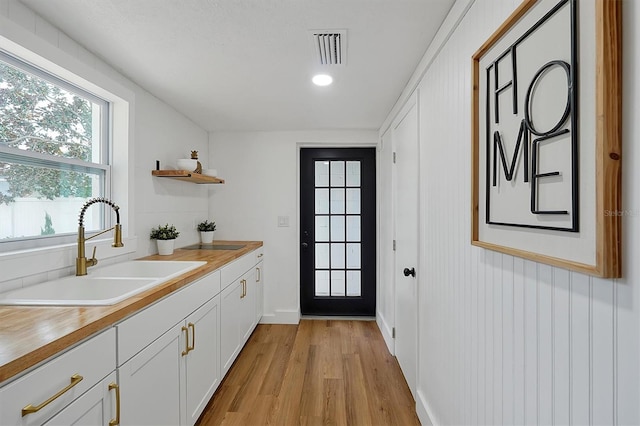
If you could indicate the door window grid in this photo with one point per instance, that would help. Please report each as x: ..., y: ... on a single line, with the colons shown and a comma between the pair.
x: 337, y: 229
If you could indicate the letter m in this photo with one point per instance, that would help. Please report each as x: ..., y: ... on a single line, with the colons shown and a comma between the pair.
x: 498, y: 146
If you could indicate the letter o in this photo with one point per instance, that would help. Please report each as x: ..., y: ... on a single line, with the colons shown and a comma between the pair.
x: 527, y: 114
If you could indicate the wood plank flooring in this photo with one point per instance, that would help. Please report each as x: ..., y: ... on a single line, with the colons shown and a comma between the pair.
x: 320, y: 372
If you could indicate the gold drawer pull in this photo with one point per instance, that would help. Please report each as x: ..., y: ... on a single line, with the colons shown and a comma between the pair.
x: 192, y: 326
x: 116, y: 421
x: 28, y: 409
x: 258, y: 275
x: 260, y: 255
x: 186, y: 334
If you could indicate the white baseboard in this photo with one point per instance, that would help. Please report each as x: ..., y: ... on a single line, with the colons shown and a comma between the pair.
x: 281, y: 317
x: 425, y: 414
x: 387, y: 332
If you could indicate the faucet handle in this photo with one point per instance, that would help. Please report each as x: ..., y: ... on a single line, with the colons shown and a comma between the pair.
x: 93, y: 261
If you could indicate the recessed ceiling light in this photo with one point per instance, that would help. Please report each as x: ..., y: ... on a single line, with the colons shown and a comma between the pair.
x: 322, y: 80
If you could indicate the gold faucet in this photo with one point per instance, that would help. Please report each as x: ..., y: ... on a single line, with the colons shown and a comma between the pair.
x: 82, y: 263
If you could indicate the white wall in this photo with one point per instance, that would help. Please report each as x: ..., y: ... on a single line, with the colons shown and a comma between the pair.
x: 158, y: 132
x: 503, y: 340
x: 165, y: 135
x: 261, y: 173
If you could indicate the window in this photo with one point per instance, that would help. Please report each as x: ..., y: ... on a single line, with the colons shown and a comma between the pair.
x: 54, y: 155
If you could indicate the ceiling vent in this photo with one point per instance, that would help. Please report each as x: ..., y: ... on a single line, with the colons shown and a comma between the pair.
x: 330, y: 46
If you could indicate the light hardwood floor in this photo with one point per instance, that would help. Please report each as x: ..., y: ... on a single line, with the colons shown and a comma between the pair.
x: 321, y: 372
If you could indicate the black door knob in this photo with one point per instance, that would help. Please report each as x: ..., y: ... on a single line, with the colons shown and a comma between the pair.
x: 305, y: 245
x: 408, y: 272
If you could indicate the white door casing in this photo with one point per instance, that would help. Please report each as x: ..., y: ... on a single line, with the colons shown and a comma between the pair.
x: 405, y: 140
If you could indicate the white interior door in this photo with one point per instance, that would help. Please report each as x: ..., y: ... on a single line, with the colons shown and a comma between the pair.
x: 405, y: 139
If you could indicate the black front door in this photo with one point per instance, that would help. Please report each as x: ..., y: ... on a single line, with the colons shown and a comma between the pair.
x: 338, y: 231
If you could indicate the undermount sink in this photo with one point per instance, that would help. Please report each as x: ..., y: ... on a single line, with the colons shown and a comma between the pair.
x: 106, y: 285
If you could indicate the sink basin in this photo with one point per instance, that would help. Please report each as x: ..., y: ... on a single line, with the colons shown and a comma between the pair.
x: 103, y: 286
x: 166, y: 269
x: 77, y: 291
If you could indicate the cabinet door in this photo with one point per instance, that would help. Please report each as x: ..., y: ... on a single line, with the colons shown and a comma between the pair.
x: 98, y: 406
x: 150, y: 384
x: 248, y: 308
x: 202, y: 363
x: 230, y: 315
x: 259, y: 291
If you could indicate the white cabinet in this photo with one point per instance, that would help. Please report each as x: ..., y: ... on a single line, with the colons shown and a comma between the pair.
x: 248, y: 311
x: 54, y: 388
x: 239, y: 306
x: 98, y: 406
x: 230, y: 317
x: 259, y: 290
x: 150, y: 382
x: 238, y: 318
x: 171, y: 380
x: 169, y: 359
x: 202, y: 362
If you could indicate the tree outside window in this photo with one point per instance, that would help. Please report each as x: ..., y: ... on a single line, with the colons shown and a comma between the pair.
x: 52, y: 160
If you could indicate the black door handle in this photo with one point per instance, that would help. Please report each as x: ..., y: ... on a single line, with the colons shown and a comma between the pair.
x: 305, y: 245
x: 408, y: 272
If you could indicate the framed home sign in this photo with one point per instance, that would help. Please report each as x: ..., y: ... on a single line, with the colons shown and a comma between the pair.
x: 546, y: 136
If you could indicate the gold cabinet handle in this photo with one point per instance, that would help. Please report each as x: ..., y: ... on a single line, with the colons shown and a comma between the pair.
x: 259, y: 275
x: 186, y: 334
x: 245, y: 288
x: 244, y: 291
x: 192, y: 326
x: 260, y: 255
x: 115, y: 421
x: 28, y: 409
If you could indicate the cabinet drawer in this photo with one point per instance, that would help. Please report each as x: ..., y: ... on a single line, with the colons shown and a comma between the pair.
x: 238, y: 267
x: 259, y: 255
x: 138, y: 331
x: 92, y: 360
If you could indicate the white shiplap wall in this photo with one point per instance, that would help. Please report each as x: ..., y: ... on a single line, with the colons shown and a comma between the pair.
x: 504, y: 340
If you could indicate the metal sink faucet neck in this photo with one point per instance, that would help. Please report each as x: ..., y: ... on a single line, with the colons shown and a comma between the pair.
x: 82, y: 263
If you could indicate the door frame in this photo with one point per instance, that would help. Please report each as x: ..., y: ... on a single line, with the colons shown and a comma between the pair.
x: 299, y: 145
x: 411, y: 102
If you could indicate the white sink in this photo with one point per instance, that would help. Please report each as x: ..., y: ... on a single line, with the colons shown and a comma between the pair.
x: 166, y: 269
x: 103, y: 286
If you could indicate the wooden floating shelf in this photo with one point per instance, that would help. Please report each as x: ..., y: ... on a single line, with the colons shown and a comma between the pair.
x: 187, y: 176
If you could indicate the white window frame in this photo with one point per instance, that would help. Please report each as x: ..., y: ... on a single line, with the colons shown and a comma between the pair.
x: 33, y: 158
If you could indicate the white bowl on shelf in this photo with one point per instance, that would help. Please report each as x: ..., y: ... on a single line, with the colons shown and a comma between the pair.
x: 210, y: 172
x: 187, y: 164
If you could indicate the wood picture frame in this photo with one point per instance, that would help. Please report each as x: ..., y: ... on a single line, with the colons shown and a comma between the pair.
x: 585, y: 234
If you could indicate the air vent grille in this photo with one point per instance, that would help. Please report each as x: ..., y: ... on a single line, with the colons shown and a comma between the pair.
x: 330, y: 47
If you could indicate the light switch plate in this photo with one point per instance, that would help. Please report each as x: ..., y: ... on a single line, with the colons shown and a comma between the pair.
x: 283, y: 221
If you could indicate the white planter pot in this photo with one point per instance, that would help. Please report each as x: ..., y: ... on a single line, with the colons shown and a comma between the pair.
x: 165, y: 247
x: 206, y: 237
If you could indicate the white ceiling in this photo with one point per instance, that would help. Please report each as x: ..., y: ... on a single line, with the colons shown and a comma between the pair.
x: 247, y: 64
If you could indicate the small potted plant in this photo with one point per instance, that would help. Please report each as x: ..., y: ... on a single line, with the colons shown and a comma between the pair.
x: 165, y: 236
x: 206, y: 229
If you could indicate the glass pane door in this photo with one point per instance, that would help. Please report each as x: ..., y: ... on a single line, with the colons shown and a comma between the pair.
x: 337, y: 228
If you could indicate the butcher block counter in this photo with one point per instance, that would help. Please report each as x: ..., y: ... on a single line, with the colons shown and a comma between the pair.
x: 32, y: 334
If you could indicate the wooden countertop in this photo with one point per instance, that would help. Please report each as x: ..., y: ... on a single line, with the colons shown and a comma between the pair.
x: 31, y: 334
